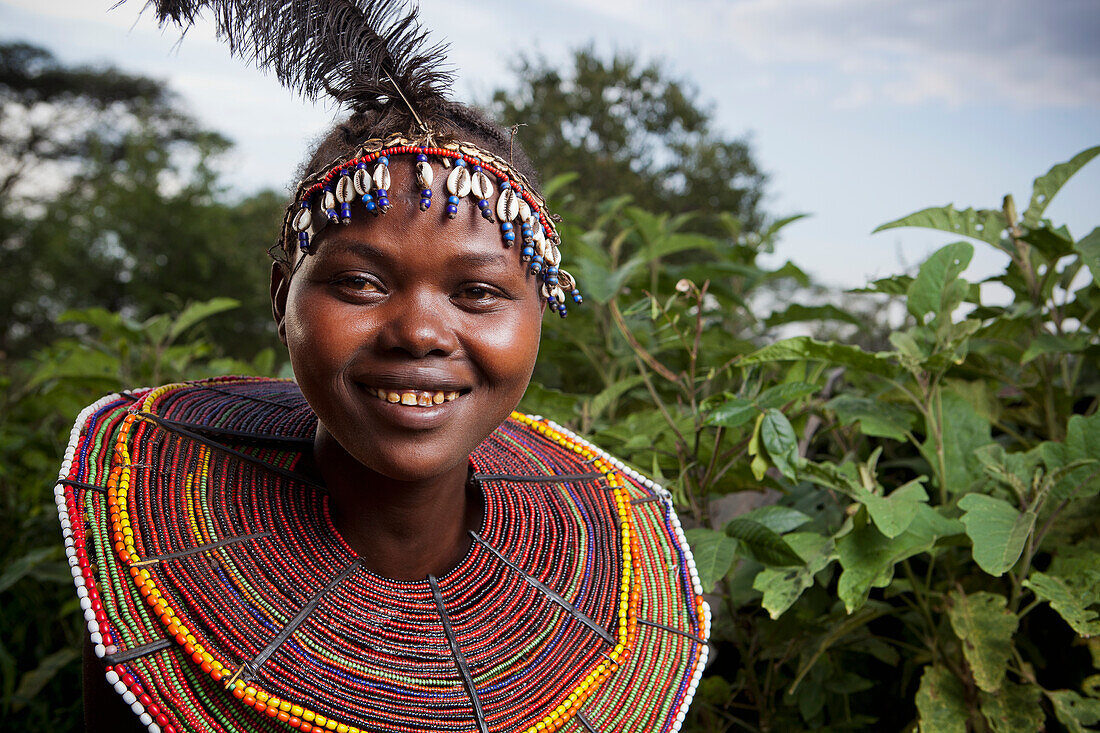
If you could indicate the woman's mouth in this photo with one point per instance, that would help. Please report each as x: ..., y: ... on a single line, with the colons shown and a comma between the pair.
x: 414, y: 397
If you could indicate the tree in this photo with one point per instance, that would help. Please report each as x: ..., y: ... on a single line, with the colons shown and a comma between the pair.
x: 126, y: 211
x: 624, y: 128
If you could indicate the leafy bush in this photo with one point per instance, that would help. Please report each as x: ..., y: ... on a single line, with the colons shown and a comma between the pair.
x: 924, y: 549
x: 41, y: 626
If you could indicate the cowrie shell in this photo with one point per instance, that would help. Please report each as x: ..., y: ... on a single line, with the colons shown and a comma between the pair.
x: 553, y: 256
x: 424, y: 174
x: 382, y: 177
x: 524, y: 209
x: 481, y: 185
x: 328, y: 201
x: 302, y: 220
x: 507, y: 205
x: 344, y: 190
x: 458, y: 182
x: 361, y: 181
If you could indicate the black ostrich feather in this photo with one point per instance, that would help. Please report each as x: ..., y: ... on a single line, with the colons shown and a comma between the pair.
x: 362, y: 53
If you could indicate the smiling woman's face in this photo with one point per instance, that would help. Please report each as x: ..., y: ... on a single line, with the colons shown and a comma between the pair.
x: 411, y: 306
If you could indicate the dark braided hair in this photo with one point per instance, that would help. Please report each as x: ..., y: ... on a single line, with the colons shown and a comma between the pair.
x: 450, y: 121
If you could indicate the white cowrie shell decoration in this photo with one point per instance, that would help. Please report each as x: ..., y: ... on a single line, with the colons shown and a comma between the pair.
x: 553, y: 256
x: 344, y: 190
x: 382, y: 176
x: 328, y: 201
x: 302, y: 220
x: 507, y: 205
x: 481, y: 185
x: 524, y: 209
x: 424, y: 174
x: 361, y: 181
x: 458, y: 182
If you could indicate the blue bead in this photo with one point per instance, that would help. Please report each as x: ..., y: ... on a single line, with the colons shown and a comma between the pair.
x: 527, y: 251
x: 550, y: 279
x: 577, y: 297
x: 425, y: 204
x: 383, y: 201
x: 510, y: 236
x: 482, y: 204
x: 460, y: 162
x: 563, y: 312
x: 426, y: 193
x: 506, y: 226
x: 384, y: 160
x: 487, y: 214
x: 476, y: 169
x: 421, y: 158
x: 371, y: 206
x: 504, y: 185
x: 362, y: 166
x: 538, y: 259
x: 382, y: 193
x: 551, y: 270
x: 452, y: 209
x: 452, y: 199
x: 303, y: 236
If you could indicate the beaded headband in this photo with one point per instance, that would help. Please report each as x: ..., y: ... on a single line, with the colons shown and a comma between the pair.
x: 327, y: 196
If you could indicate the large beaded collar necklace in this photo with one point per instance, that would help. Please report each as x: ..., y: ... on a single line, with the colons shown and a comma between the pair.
x: 221, y: 597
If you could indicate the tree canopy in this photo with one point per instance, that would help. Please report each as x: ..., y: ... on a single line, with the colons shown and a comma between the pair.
x: 624, y: 127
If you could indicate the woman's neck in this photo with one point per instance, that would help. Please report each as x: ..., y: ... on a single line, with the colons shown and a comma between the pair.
x: 401, y: 530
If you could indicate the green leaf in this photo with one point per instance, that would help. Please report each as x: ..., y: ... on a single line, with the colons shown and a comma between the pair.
x: 984, y: 225
x: 553, y: 403
x: 895, y: 285
x: 18, y: 569
x: 1071, y: 585
x: 759, y: 464
x: 802, y: 348
x: 964, y: 431
x: 941, y: 702
x: 868, y: 556
x: 197, y: 312
x: 1049, y: 343
x: 600, y: 402
x: 780, y: 441
x: 937, y: 288
x: 1014, y: 709
x: 876, y: 418
x: 1049, y: 184
x: 997, y: 530
x: 1088, y: 248
x: 737, y: 411
x: 783, y: 586
x: 714, y: 553
x: 31, y: 683
x: 732, y: 413
x: 777, y: 518
x: 1082, y: 437
x: 1075, y: 712
x: 796, y: 313
x: 985, y: 627
x: 894, y: 513
x: 766, y: 545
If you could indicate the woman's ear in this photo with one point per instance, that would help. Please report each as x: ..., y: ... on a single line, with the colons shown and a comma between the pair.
x: 280, y: 284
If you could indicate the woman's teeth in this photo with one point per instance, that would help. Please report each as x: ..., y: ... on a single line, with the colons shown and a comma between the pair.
x: 415, y: 398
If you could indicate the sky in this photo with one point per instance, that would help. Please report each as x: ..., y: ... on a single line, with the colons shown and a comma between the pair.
x: 860, y: 111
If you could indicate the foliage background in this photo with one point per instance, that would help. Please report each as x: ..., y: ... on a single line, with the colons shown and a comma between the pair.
x: 892, y: 492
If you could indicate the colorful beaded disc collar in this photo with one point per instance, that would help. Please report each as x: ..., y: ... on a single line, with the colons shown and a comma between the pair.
x: 221, y: 597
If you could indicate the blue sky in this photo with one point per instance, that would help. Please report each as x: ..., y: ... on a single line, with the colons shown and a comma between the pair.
x: 860, y: 111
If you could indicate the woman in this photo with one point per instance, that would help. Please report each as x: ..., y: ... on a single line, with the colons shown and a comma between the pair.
x: 383, y: 544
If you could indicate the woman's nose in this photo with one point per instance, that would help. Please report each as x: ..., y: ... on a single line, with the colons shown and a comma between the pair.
x: 419, y: 326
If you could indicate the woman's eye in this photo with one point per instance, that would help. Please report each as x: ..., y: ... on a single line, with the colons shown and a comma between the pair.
x: 358, y: 283
x: 479, y: 293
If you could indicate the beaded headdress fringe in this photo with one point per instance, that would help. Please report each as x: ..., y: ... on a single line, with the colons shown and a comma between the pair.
x: 369, y: 54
